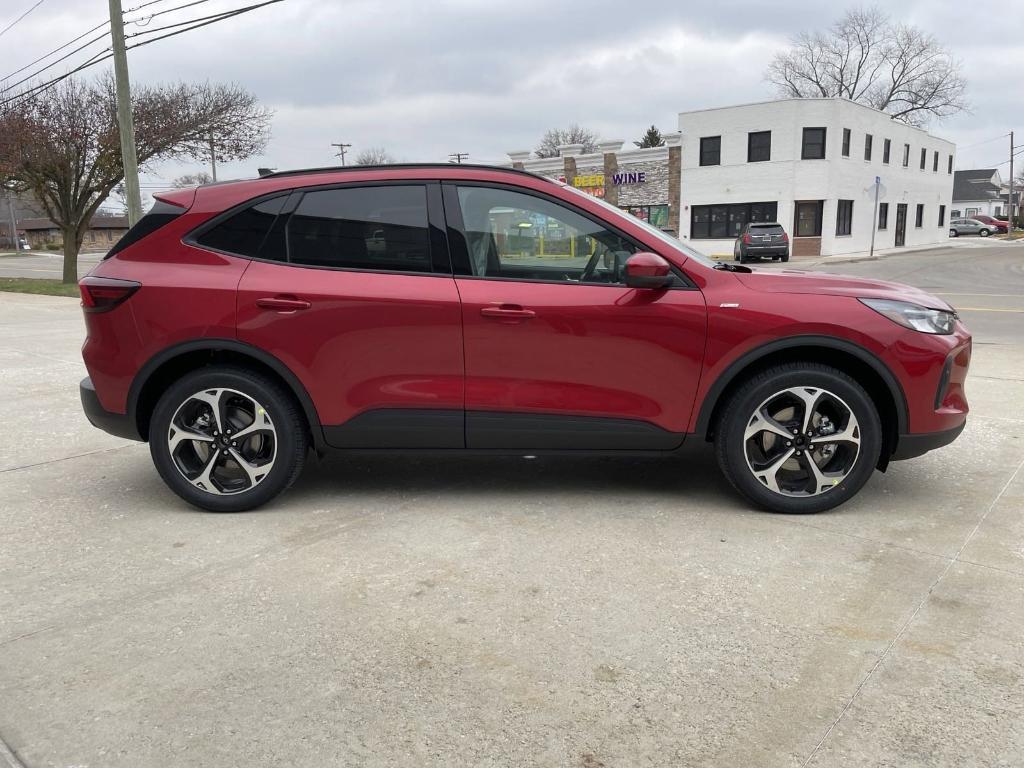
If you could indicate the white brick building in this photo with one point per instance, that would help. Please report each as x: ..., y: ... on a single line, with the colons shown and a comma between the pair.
x: 810, y: 164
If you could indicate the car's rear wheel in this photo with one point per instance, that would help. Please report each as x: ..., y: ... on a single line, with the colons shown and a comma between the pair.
x: 798, y: 437
x: 227, y: 439
x: 785, y: 256
x: 953, y: 233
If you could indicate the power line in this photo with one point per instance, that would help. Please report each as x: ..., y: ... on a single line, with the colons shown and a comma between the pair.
x: 26, y: 13
x: 52, y: 64
x: 166, y: 10
x: 178, y: 23
x: 100, y: 57
x: 103, y: 23
x: 979, y: 143
x: 458, y: 157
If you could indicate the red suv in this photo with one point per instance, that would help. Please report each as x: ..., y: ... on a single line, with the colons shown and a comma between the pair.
x: 430, y: 307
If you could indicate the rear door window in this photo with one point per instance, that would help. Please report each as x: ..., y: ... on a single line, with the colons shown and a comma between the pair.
x: 375, y: 228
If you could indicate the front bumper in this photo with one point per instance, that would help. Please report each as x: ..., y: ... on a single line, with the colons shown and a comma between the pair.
x: 912, y: 446
x: 117, y: 424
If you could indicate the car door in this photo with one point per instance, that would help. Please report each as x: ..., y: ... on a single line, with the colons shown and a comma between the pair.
x: 559, y: 353
x: 353, y: 291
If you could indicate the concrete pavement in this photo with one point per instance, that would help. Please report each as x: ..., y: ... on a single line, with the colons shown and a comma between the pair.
x: 508, y: 612
x: 43, y: 264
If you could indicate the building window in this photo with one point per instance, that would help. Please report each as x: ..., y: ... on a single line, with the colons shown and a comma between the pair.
x: 935, y: 162
x: 711, y: 150
x: 906, y: 155
x: 814, y: 144
x: 844, y: 217
x: 846, y: 142
x: 883, y: 215
x: 759, y: 146
x: 949, y: 167
x: 808, y: 218
x: 924, y: 157
x: 867, y: 146
x: 973, y: 212
x: 942, y: 215
x: 954, y: 214
x: 725, y: 221
x: 655, y: 215
x: 919, y: 218
x: 886, y: 146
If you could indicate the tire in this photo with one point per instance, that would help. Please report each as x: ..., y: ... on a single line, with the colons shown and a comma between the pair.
x: 983, y: 232
x: 735, y: 254
x: 248, y: 402
x: 843, y: 472
x: 954, y: 233
x: 785, y: 257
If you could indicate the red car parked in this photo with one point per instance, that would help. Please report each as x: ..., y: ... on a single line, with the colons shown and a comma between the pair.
x: 997, y: 224
x: 447, y: 307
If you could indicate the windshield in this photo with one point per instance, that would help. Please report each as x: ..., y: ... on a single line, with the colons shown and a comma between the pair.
x: 673, y: 242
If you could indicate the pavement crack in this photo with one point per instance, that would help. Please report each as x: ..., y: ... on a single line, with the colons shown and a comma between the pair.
x: 906, y: 624
x: 67, y: 458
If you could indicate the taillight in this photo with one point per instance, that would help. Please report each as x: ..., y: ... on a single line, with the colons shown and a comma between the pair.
x: 746, y: 238
x: 102, y: 294
x: 785, y: 237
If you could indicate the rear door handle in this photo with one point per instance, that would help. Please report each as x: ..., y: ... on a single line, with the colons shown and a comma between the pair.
x: 508, y: 312
x: 282, y: 303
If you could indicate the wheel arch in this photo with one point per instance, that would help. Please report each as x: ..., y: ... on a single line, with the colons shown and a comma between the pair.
x: 165, y: 367
x: 870, y: 372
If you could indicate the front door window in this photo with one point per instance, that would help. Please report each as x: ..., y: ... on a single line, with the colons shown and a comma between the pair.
x: 514, y: 236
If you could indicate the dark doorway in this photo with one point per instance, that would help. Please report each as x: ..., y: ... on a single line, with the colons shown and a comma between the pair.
x: 901, y: 224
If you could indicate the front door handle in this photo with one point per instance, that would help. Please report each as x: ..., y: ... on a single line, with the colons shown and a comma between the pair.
x: 508, y: 312
x: 282, y: 303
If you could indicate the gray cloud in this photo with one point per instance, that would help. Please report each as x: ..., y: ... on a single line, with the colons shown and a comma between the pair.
x: 427, y: 78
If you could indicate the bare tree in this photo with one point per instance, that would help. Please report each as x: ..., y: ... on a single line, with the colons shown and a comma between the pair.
x: 574, y: 134
x: 374, y: 156
x: 192, y: 180
x: 864, y: 57
x: 62, y: 145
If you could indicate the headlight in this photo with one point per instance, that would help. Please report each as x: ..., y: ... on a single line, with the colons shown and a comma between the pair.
x: 914, y: 316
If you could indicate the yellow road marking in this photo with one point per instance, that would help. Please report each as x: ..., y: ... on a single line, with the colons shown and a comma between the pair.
x: 994, y: 295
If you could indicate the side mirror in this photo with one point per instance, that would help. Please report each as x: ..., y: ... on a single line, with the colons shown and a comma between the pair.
x: 648, y: 270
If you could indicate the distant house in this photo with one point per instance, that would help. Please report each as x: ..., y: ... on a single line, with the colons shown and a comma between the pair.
x: 103, y: 232
x: 981, y: 191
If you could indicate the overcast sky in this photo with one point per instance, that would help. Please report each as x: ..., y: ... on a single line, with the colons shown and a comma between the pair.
x: 424, y: 79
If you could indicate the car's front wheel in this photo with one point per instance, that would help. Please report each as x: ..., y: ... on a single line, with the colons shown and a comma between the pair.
x: 227, y: 439
x: 983, y: 232
x: 798, y: 437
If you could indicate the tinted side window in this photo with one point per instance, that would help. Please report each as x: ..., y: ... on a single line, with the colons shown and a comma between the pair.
x: 245, y: 232
x: 160, y: 214
x: 515, y: 236
x: 380, y: 228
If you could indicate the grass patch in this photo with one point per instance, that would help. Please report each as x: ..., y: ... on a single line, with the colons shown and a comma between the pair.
x: 38, y: 285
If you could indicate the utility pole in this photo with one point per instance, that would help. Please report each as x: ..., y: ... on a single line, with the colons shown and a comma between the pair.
x: 458, y: 157
x: 213, y: 159
x: 341, y: 151
x: 124, y: 115
x: 15, y: 245
x: 874, y: 217
x: 1009, y: 197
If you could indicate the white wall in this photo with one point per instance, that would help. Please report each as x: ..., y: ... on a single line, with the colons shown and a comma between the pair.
x: 786, y: 178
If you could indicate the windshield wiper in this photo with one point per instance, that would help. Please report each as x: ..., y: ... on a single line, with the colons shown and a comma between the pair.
x: 729, y: 267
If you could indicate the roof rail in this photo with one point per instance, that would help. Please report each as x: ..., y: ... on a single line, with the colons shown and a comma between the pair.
x: 355, y: 168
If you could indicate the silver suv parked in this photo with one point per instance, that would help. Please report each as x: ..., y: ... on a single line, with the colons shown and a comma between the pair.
x: 959, y: 227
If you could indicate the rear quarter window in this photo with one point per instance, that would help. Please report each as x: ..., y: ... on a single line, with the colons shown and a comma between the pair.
x: 159, y: 216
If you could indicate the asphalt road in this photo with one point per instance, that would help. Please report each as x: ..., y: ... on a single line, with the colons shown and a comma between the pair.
x: 41, y: 264
x: 509, y: 612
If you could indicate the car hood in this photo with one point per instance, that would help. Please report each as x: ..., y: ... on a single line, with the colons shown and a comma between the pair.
x: 819, y: 283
